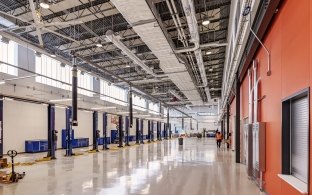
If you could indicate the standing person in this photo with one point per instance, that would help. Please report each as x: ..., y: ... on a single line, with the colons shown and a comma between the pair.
x: 219, y: 139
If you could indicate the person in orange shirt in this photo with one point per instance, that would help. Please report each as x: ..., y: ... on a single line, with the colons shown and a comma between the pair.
x: 219, y: 139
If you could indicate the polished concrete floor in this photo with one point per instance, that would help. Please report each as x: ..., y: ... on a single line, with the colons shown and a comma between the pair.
x: 164, y: 168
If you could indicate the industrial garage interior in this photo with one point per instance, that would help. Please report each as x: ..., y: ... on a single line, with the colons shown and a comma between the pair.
x: 170, y: 97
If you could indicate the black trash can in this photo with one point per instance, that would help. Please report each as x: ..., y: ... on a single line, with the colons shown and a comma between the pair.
x: 180, y: 141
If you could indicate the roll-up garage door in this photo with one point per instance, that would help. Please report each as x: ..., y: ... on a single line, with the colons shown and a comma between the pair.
x: 299, y: 138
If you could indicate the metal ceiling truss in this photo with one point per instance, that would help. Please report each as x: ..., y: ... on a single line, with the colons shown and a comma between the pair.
x: 99, y: 16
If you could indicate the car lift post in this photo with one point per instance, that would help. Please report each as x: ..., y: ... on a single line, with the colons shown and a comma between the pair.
x: 51, y: 131
x: 137, y: 131
x: 141, y: 132
x: 127, y: 131
x: 149, y: 131
x: 158, y: 131
x: 69, y: 131
x: 105, y: 131
x: 95, y: 131
x: 152, y: 131
x: 120, y: 141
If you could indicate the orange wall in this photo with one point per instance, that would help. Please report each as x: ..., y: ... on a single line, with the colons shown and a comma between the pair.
x: 288, y: 40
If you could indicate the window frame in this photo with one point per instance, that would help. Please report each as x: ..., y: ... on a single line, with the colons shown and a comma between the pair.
x: 287, y: 132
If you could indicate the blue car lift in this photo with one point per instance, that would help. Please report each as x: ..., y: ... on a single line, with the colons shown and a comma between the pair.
x: 96, y: 134
x: 141, y: 131
x: 51, y: 132
x: 137, y: 131
x: 149, y: 131
x: 105, y: 147
x: 69, y: 146
x: 120, y: 132
x: 127, y: 129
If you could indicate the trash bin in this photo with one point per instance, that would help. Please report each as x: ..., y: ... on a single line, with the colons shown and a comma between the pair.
x: 180, y: 141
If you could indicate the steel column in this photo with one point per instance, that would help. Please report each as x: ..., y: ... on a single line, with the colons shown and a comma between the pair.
x: 74, y: 93
x: 130, y: 108
x: 237, y: 121
x: 51, y: 131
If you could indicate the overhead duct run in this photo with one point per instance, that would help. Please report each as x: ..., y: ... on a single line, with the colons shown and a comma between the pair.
x: 144, y: 81
x: 116, y: 41
x: 196, y: 47
x: 188, y: 7
x: 149, y: 30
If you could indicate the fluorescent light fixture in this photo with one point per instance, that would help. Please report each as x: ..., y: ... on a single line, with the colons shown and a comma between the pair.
x: 59, y: 106
x: 61, y: 100
x: 211, y: 69
x: 211, y: 81
x: 128, y: 66
x: 205, y: 21
x: 209, y: 52
x: 53, y: 55
x: 99, y: 44
x: 102, y: 108
x: 2, y: 82
x: 125, y: 112
x: 44, y: 4
x: 143, y: 115
x: 10, y: 99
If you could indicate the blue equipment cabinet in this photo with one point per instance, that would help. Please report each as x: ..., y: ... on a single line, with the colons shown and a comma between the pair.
x: 32, y: 146
x: 114, y: 135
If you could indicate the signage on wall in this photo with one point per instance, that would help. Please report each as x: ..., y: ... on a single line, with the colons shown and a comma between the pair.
x: 114, y: 119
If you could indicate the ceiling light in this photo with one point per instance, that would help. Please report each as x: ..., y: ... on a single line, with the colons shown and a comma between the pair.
x: 205, y: 21
x: 127, y: 65
x: 53, y: 55
x: 211, y: 69
x: 209, y: 52
x: 102, y: 108
x: 2, y: 82
x: 99, y: 44
x: 133, y: 50
x: 60, y: 100
x: 125, y: 112
x: 44, y: 4
x: 211, y: 81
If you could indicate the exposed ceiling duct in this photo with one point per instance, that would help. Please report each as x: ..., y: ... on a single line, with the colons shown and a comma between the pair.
x: 197, y: 46
x: 146, y: 26
x: 189, y: 10
x: 116, y: 41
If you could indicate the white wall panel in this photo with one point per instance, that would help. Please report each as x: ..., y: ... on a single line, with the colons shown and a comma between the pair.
x: 100, y: 123
x: 145, y: 127
x: 133, y: 129
x: 23, y: 121
x: 85, y: 123
x: 60, y: 123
